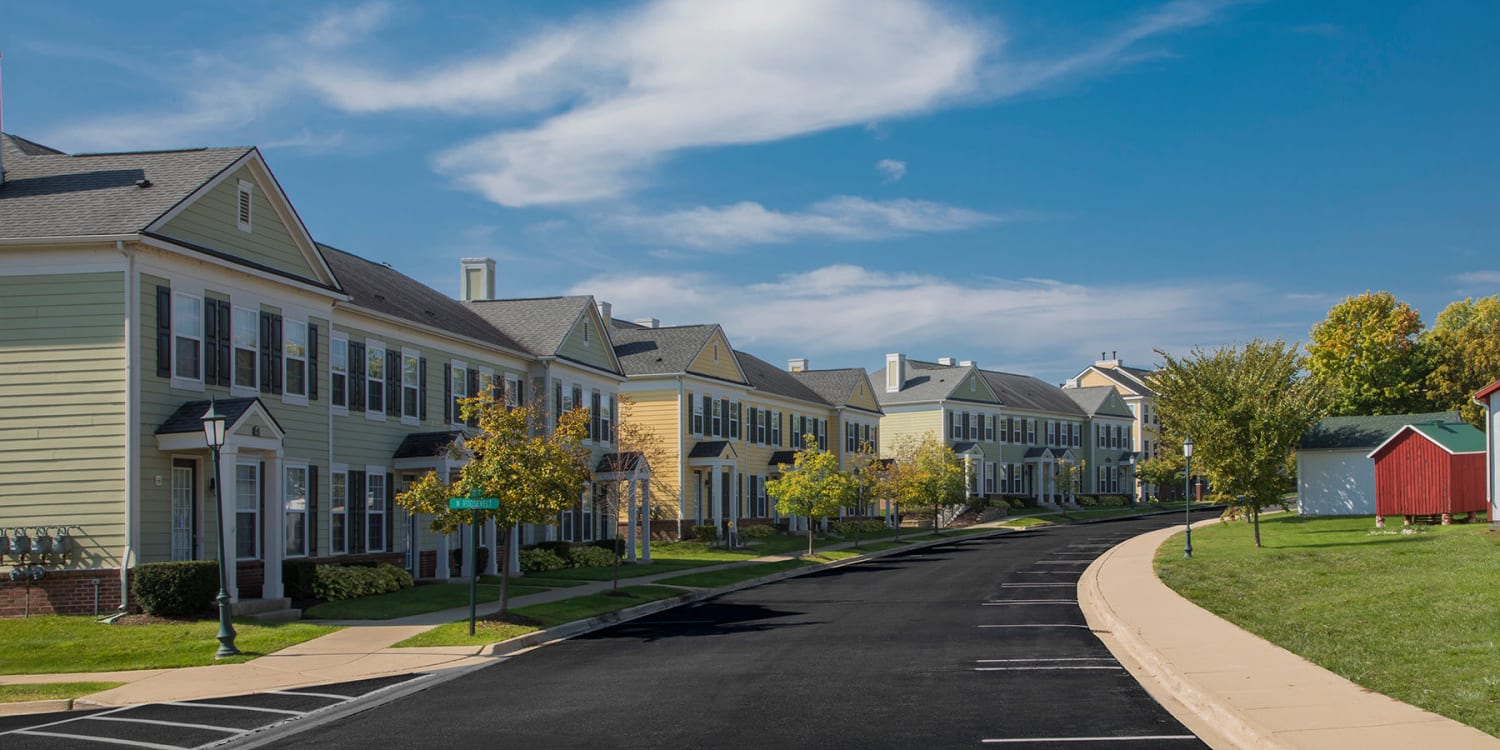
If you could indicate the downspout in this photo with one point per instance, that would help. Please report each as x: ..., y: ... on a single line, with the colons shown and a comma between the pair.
x: 132, y: 414
x: 681, y: 457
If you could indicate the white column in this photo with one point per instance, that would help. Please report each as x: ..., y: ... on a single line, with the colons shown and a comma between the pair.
x: 630, y: 519
x: 225, y: 497
x: 716, y: 492
x: 492, y: 565
x: 444, y: 554
x: 275, y: 510
x: 646, y: 518
x: 514, y: 553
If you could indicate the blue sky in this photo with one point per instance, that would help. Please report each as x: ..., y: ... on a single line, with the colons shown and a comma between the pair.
x: 1020, y: 184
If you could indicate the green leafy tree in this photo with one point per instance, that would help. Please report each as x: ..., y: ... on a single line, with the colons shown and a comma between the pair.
x: 1465, y: 347
x: 535, y: 472
x: 813, y: 487
x: 1368, y: 353
x: 929, y: 476
x: 869, y: 477
x: 1245, y: 410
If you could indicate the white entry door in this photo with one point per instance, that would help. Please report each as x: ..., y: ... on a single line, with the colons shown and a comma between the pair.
x: 184, y: 495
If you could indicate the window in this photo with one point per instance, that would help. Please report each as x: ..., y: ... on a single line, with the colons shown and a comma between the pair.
x: 338, y: 513
x: 247, y: 511
x: 245, y: 193
x: 295, y: 506
x: 822, y: 434
x: 338, y: 372
x: 606, y: 421
x: 776, y: 428
x: 734, y: 420
x: 989, y: 478
x: 557, y: 400
x: 577, y: 400
x: 717, y: 425
x: 375, y: 380
x: 989, y: 428
x: 458, y: 388
x: 246, y: 347
x: 295, y: 355
x: 512, y: 391
x: 410, y: 387
x: 375, y: 511
x: 187, y: 327
x: 697, y: 414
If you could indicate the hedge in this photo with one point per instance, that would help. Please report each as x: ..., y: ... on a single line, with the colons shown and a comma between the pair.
x: 175, y: 589
x: 540, y: 560
x: 338, y: 582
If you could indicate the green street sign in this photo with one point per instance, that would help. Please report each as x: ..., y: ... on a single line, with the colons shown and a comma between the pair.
x: 473, y: 503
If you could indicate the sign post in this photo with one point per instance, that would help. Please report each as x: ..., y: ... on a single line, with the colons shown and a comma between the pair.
x: 474, y: 503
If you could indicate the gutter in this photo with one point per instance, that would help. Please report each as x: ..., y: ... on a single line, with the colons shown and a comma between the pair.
x: 132, y: 416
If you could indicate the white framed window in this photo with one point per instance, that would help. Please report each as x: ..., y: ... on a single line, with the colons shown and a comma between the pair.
x: 375, y: 380
x: 244, y: 205
x: 375, y: 510
x: 458, y: 384
x: 338, y: 511
x: 294, y: 502
x: 294, y: 359
x: 247, y: 511
x: 485, y: 379
x: 187, y: 337
x: 989, y: 478
x: 606, y: 419
x: 411, y: 404
x: 512, y: 391
x: 246, y: 336
x: 697, y: 413
x: 733, y: 416
x: 338, y: 373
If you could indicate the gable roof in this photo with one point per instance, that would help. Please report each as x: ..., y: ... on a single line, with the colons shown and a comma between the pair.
x: 833, y: 386
x: 1486, y: 393
x: 1095, y: 400
x: 768, y: 378
x: 188, y: 418
x: 48, y: 193
x: 382, y: 289
x: 539, y: 324
x: 1034, y: 394
x: 925, y: 381
x: 1132, y: 379
x: 658, y: 351
x: 1353, y: 433
x: 1453, y: 437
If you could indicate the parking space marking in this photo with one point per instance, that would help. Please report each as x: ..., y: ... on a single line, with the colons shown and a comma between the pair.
x: 283, y: 711
x: 160, y: 722
x: 1036, y: 585
x: 1039, y: 668
x: 1005, y: 602
x: 1036, y: 625
x: 1137, y: 738
x: 106, y: 740
x: 1060, y: 658
x: 334, y: 696
x: 1063, y: 562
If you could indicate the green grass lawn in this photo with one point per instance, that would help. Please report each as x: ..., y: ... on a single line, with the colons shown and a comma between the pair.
x: 48, y: 691
x: 1413, y: 616
x: 416, y: 600
x: 714, y: 578
x: 52, y: 643
x: 550, y: 615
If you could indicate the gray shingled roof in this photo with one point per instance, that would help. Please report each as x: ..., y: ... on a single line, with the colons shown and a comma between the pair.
x: 1131, y: 384
x: 925, y: 381
x: 426, y: 444
x: 768, y: 378
x: 659, y: 351
x: 539, y: 324
x: 834, y: 386
x: 379, y: 287
x: 1367, y: 433
x: 1093, y: 399
x: 1026, y: 392
x: 47, y: 193
x: 189, y: 416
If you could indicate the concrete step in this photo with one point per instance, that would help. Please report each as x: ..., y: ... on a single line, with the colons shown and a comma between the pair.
x: 253, y: 607
x: 279, y: 615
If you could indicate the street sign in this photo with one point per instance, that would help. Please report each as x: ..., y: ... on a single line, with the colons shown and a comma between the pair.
x: 473, y: 503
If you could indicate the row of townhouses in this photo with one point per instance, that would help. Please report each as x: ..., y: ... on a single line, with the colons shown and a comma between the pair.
x: 137, y: 289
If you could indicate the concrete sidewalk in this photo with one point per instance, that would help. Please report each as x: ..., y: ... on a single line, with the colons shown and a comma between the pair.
x: 1235, y: 689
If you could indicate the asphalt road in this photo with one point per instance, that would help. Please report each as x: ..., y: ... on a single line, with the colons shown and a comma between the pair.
x: 975, y: 643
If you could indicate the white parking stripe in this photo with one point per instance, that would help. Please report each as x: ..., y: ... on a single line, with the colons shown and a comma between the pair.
x: 1038, y: 585
x: 335, y: 696
x: 1138, y: 738
x: 1043, y: 625
x: 1061, y: 658
x: 160, y: 722
x: 229, y: 705
x: 1041, y: 669
x: 65, y: 721
x: 106, y: 740
x: 1003, y: 602
x: 1062, y: 562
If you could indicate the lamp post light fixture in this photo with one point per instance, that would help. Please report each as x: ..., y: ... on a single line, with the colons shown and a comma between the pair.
x: 1134, y: 491
x: 1187, y: 497
x: 213, y: 434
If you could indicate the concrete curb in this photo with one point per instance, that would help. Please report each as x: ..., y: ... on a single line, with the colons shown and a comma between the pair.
x: 36, y: 707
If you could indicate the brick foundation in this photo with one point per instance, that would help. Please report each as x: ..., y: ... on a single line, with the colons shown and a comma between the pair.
x: 61, y: 592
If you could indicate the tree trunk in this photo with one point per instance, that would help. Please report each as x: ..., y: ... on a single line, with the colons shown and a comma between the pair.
x: 809, y: 535
x: 504, y: 575
x: 936, y: 514
x: 1255, y: 518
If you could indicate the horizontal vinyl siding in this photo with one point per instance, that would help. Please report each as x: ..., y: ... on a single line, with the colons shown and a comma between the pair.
x: 62, y: 408
x: 593, y: 352
x: 658, y: 411
x: 724, y: 369
x: 212, y: 222
x: 895, y: 426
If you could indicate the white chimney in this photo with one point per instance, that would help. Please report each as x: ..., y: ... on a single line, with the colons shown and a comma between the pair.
x: 477, y: 281
x: 647, y: 322
x: 966, y: 363
x: 796, y: 365
x: 604, y: 310
x: 895, y: 372
x: 946, y: 361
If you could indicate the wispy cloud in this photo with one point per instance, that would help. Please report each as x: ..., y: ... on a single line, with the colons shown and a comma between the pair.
x: 891, y: 170
x: 1479, y: 277
x: 848, y: 308
x: 839, y: 218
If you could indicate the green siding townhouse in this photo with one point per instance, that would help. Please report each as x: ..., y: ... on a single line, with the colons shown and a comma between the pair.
x: 137, y: 288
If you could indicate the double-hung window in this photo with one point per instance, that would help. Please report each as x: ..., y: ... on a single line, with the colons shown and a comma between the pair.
x: 295, y: 506
x: 247, y: 511
x: 776, y: 428
x: 734, y: 420
x: 187, y: 337
x: 338, y: 512
x: 697, y: 413
x: 294, y: 357
x: 246, y: 347
x: 375, y: 511
x: 717, y: 423
x: 458, y: 386
x: 375, y: 376
x: 338, y: 372
x: 410, y: 387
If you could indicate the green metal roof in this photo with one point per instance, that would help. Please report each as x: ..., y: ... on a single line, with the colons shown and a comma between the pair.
x: 1335, y: 433
x: 1454, y: 437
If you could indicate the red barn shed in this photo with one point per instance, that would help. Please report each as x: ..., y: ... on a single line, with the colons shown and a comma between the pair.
x: 1430, y: 468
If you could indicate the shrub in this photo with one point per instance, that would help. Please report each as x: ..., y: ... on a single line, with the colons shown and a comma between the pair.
x: 299, y: 577
x: 174, y: 589
x: 338, y: 582
x: 1087, y: 501
x: 539, y: 560
x: 557, y: 548
x: 862, y: 525
x: 616, y: 545
x: 591, y: 557
x: 1113, y: 501
x: 757, y: 531
x: 708, y: 533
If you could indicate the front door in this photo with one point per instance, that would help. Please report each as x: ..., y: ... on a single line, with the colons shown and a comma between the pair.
x: 184, y: 509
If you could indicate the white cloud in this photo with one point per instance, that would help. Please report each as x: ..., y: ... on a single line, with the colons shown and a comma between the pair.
x: 848, y: 309
x: 1479, y: 277
x: 891, y: 170
x: 842, y: 217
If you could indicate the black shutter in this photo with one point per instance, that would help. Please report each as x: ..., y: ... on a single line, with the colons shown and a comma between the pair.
x: 276, y: 373
x: 312, y: 361
x: 520, y: 392
x: 473, y: 387
x: 447, y: 393
x: 267, y: 380
x: 422, y: 388
x: 356, y: 376
x: 312, y: 511
x: 163, y: 332
x: 390, y: 512
x: 210, y: 341
x: 393, y: 383
x: 226, y: 344
x: 594, y: 418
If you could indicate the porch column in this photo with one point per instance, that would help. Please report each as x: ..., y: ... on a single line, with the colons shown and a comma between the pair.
x: 630, y: 520
x: 646, y: 518
x: 716, y: 493
x: 224, y: 496
x: 493, y: 564
x: 275, y: 508
x: 514, y: 555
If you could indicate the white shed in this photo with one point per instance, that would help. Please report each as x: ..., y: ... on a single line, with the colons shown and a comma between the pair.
x: 1335, y: 476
